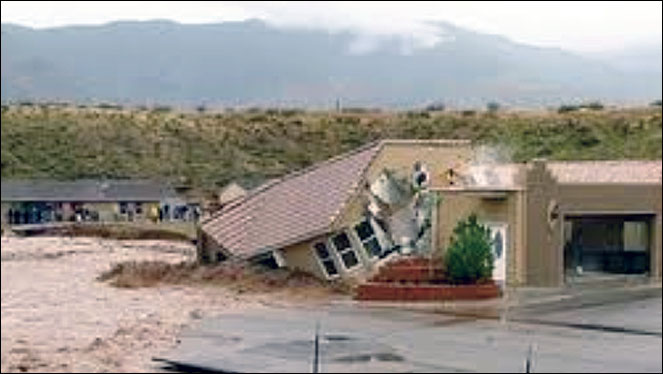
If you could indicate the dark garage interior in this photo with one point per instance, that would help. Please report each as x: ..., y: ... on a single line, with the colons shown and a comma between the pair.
x: 618, y: 244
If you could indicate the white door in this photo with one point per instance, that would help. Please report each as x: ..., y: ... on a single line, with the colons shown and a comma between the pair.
x: 498, y: 235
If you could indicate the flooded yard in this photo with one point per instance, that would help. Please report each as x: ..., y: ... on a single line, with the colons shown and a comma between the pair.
x: 57, y: 317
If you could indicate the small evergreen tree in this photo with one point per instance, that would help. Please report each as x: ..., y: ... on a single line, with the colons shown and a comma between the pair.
x: 469, y: 258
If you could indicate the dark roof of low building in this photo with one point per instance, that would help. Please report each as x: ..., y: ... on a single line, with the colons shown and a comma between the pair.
x: 85, y: 190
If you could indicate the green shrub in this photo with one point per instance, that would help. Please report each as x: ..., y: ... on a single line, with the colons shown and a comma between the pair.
x: 594, y: 105
x: 469, y: 258
x: 162, y: 109
x: 567, y: 108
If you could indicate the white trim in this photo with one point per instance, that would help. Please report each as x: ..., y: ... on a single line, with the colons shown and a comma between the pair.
x: 368, y: 254
x: 351, y: 247
x: 331, y: 257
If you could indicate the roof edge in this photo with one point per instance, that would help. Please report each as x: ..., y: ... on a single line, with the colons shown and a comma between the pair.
x: 265, y: 186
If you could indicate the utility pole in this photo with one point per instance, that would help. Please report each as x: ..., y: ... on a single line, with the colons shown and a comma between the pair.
x: 316, y: 348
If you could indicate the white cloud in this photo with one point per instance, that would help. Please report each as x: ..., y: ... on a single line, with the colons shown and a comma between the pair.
x: 580, y: 26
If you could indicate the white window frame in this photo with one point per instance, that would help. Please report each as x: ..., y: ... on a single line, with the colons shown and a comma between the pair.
x: 330, y: 258
x: 352, y: 248
x: 368, y: 253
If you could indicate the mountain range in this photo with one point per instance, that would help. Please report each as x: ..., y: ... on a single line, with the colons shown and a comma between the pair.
x: 251, y: 63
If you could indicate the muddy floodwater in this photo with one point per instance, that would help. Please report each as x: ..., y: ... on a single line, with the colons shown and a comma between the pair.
x: 57, y: 317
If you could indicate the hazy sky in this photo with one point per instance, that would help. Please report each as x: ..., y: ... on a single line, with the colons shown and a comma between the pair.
x: 578, y: 26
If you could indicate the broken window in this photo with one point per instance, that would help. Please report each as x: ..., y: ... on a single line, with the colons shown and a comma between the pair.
x: 368, y: 239
x: 325, y: 259
x: 344, y: 248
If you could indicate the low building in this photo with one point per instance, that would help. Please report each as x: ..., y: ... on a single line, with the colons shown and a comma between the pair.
x: 231, y: 192
x: 44, y: 201
x: 549, y: 220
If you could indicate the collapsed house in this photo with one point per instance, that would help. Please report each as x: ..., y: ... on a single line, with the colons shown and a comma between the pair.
x: 549, y: 220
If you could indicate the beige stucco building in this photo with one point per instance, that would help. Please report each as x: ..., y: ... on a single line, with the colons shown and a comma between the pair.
x: 549, y: 220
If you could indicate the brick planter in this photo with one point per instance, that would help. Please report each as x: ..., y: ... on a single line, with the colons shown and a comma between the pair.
x: 425, y: 292
x: 409, y: 274
x: 409, y: 270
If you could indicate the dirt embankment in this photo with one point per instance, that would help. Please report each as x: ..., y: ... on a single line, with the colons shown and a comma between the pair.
x: 57, y: 316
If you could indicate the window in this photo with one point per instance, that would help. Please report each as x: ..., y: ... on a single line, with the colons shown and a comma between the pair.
x: 123, y: 208
x: 138, y: 208
x: 344, y: 248
x: 325, y: 258
x: 635, y: 236
x: 368, y: 239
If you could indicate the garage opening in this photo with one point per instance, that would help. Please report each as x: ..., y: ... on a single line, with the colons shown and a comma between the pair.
x: 617, y: 244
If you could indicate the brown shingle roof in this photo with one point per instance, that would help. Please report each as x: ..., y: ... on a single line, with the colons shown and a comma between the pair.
x: 284, y: 211
x: 607, y: 171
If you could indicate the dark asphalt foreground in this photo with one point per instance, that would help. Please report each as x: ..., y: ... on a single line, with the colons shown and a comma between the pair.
x: 355, y: 337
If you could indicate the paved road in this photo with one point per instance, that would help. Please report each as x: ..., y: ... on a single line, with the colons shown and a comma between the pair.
x: 637, y: 317
x: 355, y: 338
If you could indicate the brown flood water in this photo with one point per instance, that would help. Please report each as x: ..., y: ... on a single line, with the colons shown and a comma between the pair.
x: 56, y: 317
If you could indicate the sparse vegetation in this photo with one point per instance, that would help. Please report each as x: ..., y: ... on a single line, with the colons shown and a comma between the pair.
x: 566, y: 108
x: 162, y: 109
x: 436, y: 107
x: 210, y: 149
x: 593, y: 105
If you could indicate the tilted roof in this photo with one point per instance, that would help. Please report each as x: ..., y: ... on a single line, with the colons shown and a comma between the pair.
x: 295, y: 207
x: 86, y: 190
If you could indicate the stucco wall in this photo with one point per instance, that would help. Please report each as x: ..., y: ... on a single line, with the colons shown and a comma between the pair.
x: 108, y: 212
x: 543, y: 242
x: 543, y: 234
x: 302, y: 256
x: 437, y: 156
x: 505, y: 207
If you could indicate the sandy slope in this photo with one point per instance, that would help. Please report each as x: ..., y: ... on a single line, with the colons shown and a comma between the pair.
x: 57, y: 317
